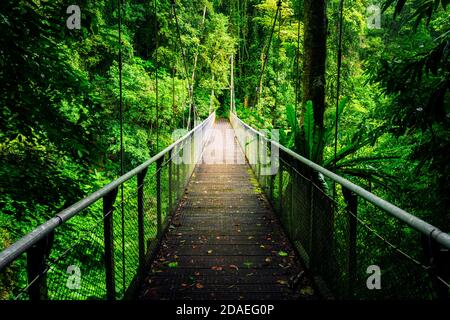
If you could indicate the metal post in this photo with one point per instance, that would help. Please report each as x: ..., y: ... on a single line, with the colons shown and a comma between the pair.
x: 280, y: 189
x: 271, y: 187
x: 351, y: 200
x: 108, y: 230
x: 192, y: 160
x: 183, y: 170
x: 291, y: 198
x: 257, y: 160
x: 140, y: 197
x: 439, y: 261
x: 37, y: 257
x: 158, y: 197
x: 170, y: 182
x: 313, y: 226
x: 178, y: 176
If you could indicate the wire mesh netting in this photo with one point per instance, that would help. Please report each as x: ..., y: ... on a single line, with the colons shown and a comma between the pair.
x: 353, y: 248
x: 72, y: 262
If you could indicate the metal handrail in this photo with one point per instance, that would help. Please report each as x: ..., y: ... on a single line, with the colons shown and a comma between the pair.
x: 404, y: 216
x: 19, y: 247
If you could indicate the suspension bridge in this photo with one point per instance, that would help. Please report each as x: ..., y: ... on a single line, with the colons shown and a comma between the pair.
x: 228, y: 216
x: 232, y: 227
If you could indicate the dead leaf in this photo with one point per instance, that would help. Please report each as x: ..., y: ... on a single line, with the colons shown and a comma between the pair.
x: 198, y: 285
x: 235, y: 267
x: 307, y: 291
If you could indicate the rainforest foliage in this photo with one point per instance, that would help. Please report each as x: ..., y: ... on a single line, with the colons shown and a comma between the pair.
x: 59, y: 111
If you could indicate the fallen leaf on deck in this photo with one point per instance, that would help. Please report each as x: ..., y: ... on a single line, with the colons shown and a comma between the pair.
x: 307, y: 291
x: 282, y: 253
x: 232, y: 266
x: 198, y: 285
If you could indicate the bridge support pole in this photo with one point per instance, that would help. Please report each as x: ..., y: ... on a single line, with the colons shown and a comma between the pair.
x: 158, y: 197
x: 37, y: 257
x: 140, y: 198
x: 258, y: 161
x: 108, y: 232
x: 177, y: 186
x: 438, y: 259
x: 351, y: 200
x: 170, y: 182
x: 280, y: 189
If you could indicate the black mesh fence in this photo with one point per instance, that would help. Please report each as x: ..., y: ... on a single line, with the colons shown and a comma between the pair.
x: 353, y: 249
x: 100, y: 251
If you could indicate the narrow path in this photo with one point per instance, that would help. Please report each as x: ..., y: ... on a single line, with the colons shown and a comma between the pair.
x: 224, y: 241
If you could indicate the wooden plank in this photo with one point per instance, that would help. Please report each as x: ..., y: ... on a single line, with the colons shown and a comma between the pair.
x: 224, y: 241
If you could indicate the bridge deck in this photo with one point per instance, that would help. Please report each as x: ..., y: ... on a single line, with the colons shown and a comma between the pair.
x: 224, y: 241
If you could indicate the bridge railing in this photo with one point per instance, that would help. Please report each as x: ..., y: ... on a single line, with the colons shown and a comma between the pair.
x: 354, y: 243
x: 97, y: 248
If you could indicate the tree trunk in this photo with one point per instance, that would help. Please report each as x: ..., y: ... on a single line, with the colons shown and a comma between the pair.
x: 315, y: 33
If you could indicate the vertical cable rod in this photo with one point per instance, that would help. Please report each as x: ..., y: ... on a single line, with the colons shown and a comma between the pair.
x: 122, y: 170
x: 338, y: 87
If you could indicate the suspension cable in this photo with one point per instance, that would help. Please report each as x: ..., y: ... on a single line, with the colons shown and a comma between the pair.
x: 122, y: 171
x: 266, y: 53
x: 338, y: 88
x: 156, y: 75
x: 183, y: 52
x: 192, y: 107
x: 297, y: 80
x: 338, y: 83
x: 277, y: 79
x: 177, y: 25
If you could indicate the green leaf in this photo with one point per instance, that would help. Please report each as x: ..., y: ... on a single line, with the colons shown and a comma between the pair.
x: 292, y: 120
x: 282, y: 253
x: 173, y: 264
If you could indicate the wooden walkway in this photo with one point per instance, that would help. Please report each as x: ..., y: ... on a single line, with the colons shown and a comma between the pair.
x: 224, y: 241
